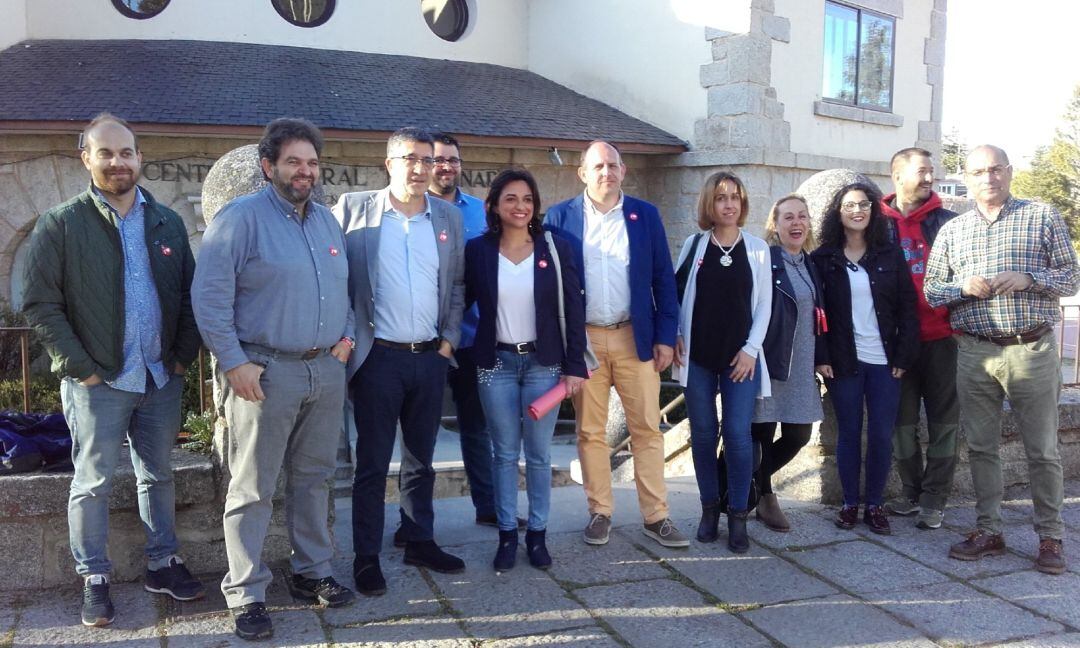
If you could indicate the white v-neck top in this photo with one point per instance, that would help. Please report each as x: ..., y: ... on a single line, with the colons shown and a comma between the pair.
x: 516, y: 318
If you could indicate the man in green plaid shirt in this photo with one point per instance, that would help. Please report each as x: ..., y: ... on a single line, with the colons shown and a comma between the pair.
x: 1001, y: 269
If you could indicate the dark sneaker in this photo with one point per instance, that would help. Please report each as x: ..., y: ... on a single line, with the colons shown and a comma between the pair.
x: 598, y: 529
x: 399, y: 537
x: 875, y: 518
x: 930, y: 518
x: 901, y: 506
x: 252, y: 622
x: 493, y: 521
x: 175, y: 580
x: 97, y: 607
x: 368, y: 576
x: 847, y: 517
x: 1051, y: 558
x: 665, y: 533
x: 326, y: 591
x: 426, y: 553
x: 978, y: 545
x: 506, y: 554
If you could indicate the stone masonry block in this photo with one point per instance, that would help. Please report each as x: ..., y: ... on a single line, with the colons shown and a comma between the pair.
x: 935, y: 74
x: 941, y: 5
x: 779, y: 135
x: 751, y: 131
x: 768, y: 6
x: 751, y: 59
x: 777, y: 28
x: 737, y: 99
x: 929, y: 130
x: 774, y: 109
x: 21, y: 551
x: 712, y: 132
x: 716, y: 73
x: 936, y: 98
x: 714, y: 34
x: 937, y: 24
x: 934, y: 51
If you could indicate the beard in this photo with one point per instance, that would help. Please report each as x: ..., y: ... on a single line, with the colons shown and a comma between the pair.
x: 295, y: 195
x: 119, y: 183
x: 444, y: 185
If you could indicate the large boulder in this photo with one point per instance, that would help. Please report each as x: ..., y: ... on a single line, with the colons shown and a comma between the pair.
x: 819, y: 189
x: 235, y: 174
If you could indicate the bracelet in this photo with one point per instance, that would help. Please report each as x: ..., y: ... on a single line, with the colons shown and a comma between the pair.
x: 351, y: 342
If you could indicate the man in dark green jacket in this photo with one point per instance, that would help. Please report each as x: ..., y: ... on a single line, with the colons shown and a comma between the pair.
x: 108, y: 276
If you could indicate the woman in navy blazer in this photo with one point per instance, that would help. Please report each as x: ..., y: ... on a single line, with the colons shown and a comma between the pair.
x: 510, y: 274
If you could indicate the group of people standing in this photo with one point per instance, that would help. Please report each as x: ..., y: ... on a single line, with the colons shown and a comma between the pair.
x: 392, y: 294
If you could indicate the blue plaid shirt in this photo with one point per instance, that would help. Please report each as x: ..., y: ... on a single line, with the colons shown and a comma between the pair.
x: 142, y: 308
x: 1026, y: 237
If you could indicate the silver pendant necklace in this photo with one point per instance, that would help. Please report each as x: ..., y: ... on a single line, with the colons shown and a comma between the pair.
x: 725, y: 258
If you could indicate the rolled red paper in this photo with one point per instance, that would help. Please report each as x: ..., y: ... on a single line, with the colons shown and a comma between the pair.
x: 551, y: 399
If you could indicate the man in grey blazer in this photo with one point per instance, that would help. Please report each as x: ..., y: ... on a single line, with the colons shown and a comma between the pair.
x: 406, y: 267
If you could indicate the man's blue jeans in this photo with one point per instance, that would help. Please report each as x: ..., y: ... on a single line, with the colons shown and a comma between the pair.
x: 472, y: 427
x: 506, y: 392
x: 874, y: 385
x: 100, y: 418
x: 737, y: 402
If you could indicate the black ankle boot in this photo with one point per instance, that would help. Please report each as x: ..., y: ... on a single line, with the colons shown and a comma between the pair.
x: 536, y: 547
x: 737, y: 539
x: 506, y: 555
x: 708, y: 529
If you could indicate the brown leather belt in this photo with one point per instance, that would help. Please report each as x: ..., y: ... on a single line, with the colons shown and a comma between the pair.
x: 309, y: 354
x: 411, y: 347
x: 1021, y: 338
x: 611, y: 327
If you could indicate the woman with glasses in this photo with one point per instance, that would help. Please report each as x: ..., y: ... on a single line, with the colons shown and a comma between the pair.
x: 510, y: 274
x: 722, y: 322
x: 872, y: 338
x: 797, y: 318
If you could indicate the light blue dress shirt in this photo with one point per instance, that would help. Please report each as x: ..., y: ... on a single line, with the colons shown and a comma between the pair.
x: 142, y: 308
x: 407, y: 294
x: 475, y: 221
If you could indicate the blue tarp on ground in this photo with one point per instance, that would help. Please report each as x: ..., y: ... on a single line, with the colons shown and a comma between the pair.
x: 30, y: 441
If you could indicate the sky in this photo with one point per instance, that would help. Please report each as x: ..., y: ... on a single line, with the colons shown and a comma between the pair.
x: 1010, y: 70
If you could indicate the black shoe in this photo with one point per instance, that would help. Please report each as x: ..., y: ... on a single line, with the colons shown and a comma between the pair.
x: 368, y: 576
x: 252, y: 622
x: 536, y: 547
x: 399, y: 537
x: 506, y: 554
x: 493, y: 521
x: 425, y: 553
x: 326, y: 591
x: 175, y: 580
x: 709, y: 527
x: 737, y: 539
x: 97, y: 607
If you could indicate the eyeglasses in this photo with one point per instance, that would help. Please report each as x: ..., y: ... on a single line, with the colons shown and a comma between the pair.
x: 994, y: 170
x: 412, y: 160
x: 452, y: 161
x: 852, y: 207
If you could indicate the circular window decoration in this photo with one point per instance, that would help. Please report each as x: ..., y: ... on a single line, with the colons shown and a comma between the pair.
x: 447, y: 19
x: 305, y: 13
x: 140, y: 9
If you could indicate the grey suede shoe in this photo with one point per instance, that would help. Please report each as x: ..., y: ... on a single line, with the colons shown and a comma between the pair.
x: 770, y: 514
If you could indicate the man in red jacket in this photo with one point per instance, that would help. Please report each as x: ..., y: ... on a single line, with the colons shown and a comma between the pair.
x: 915, y: 216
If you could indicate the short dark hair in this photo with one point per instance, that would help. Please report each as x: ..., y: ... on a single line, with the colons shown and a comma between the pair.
x: 832, y: 228
x: 103, y: 118
x: 408, y: 134
x: 903, y: 155
x: 286, y: 129
x: 498, y: 185
x: 446, y: 138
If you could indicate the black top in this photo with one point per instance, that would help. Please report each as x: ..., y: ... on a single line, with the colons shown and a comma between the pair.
x: 721, y: 320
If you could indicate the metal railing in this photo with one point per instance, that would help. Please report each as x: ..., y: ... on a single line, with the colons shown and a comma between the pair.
x: 1068, y: 338
x: 24, y: 358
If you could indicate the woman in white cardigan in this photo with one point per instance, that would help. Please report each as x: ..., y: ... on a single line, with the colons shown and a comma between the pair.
x: 726, y: 299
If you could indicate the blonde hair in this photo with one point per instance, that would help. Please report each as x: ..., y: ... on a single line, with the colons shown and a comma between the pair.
x: 705, y: 207
x: 771, y: 235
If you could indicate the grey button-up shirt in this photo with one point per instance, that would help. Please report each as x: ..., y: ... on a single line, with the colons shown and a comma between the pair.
x: 267, y: 276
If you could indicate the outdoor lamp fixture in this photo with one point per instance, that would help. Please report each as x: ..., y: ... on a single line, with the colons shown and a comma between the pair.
x: 553, y: 156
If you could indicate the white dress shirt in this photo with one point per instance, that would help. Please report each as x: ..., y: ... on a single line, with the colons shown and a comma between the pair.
x: 606, y: 251
x: 516, y: 318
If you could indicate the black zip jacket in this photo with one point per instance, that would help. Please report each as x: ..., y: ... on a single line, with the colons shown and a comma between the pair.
x: 894, y: 302
x: 780, y: 338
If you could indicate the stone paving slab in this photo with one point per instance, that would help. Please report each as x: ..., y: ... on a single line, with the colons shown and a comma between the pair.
x: 575, y: 562
x: 292, y: 629
x: 746, y: 579
x: 834, y: 621
x: 667, y: 613
x: 1071, y: 640
x: 54, y: 620
x: 277, y: 595
x: 955, y: 613
x: 422, y: 632
x: 407, y: 594
x: 932, y: 548
x: 521, y: 601
x: 863, y: 567
x: 588, y: 637
x: 808, y: 529
x: 1055, y: 596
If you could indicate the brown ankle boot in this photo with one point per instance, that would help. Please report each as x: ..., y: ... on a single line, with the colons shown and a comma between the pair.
x: 768, y: 511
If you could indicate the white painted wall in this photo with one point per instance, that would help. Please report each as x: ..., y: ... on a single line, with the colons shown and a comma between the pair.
x: 797, y: 77
x: 499, y: 34
x: 13, y: 25
x: 640, y: 56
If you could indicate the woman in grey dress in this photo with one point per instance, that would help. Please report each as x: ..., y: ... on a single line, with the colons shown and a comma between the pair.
x: 796, y: 319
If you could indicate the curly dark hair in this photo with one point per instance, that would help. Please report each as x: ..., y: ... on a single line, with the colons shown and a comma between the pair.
x: 286, y: 129
x: 498, y: 185
x: 832, y: 228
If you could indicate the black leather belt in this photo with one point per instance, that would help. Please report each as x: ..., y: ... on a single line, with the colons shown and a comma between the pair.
x: 611, y: 327
x: 1021, y: 338
x: 520, y: 348
x: 309, y: 354
x: 411, y: 347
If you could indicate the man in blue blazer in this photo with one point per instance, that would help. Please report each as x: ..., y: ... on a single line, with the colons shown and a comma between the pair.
x: 631, y: 325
